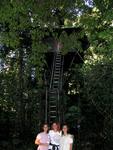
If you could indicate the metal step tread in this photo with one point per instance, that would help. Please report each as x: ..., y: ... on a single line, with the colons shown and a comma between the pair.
x: 56, y: 81
x: 58, y: 60
x: 53, y: 106
x: 53, y: 116
x: 52, y: 103
x: 56, y: 75
x: 53, y: 96
x: 57, y: 69
x: 53, y: 111
x: 57, y: 72
x: 52, y: 92
x: 56, y: 78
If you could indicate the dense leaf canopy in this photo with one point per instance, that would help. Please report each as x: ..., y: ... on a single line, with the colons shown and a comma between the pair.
x: 23, y: 26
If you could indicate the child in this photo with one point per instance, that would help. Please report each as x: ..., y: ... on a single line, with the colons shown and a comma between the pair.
x: 66, y: 139
x: 54, y: 135
x: 42, y: 139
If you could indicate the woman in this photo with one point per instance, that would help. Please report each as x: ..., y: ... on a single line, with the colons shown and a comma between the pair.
x: 42, y: 139
x: 54, y: 136
x: 66, y: 139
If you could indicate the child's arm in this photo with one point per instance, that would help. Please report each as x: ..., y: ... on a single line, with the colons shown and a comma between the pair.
x: 37, y: 142
x: 70, y: 147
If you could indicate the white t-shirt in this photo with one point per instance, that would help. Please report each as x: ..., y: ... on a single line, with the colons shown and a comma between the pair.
x: 44, y: 138
x: 65, y: 142
x: 54, y: 137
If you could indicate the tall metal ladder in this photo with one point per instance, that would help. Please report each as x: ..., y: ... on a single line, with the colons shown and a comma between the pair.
x: 55, y: 88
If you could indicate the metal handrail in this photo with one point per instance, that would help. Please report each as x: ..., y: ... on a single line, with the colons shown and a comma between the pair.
x: 46, y: 106
x: 58, y: 105
x: 61, y: 72
x: 54, y: 60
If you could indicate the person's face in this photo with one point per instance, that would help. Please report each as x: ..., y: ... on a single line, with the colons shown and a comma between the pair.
x: 45, y: 128
x: 65, y: 129
x: 54, y: 126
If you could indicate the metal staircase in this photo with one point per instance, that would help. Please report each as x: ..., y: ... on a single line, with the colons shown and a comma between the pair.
x: 54, y: 107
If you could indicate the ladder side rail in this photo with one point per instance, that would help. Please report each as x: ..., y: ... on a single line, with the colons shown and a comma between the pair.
x: 61, y: 74
x: 58, y: 105
x: 52, y: 71
x: 46, y: 105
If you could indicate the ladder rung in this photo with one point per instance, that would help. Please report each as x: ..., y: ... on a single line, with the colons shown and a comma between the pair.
x: 52, y: 97
x: 52, y: 116
x: 55, y: 84
x: 52, y: 103
x: 58, y: 57
x: 52, y: 94
x: 59, y: 54
x: 57, y: 69
x: 54, y: 106
x: 52, y: 100
x: 56, y: 78
x: 56, y: 87
x: 52, y: 91
x: 57, y: 72
x: 52, y: 112
x: 57, y: 66
x: 56, y: 75
x: 57, y: 62
x: 56, y: 81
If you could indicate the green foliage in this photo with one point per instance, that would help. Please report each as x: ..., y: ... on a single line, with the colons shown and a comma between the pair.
x: 98, y: 92
x: 19, y: 99
x: 71, y: 42
x: 72, y: 115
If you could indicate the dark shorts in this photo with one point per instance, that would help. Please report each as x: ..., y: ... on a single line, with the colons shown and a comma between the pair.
x: 54, y: 147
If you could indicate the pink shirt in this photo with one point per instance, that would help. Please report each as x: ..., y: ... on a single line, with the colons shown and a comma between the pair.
x: 44, y: 138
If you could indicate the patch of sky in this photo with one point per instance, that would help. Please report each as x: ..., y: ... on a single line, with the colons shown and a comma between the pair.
x: 89, y: 3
